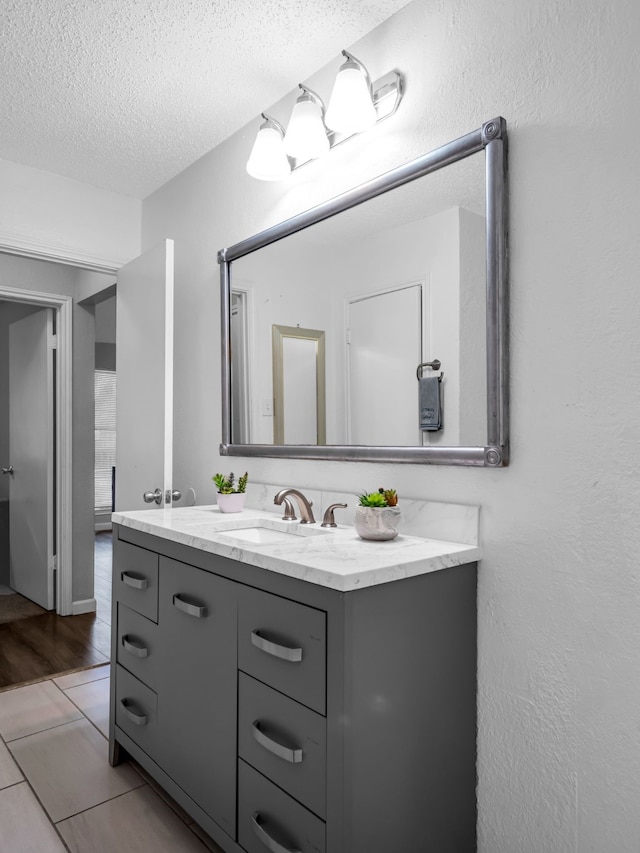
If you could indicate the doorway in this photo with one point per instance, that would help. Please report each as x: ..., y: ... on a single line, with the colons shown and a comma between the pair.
x: 387, y: 334
x: 34, y: 640
x: 27, y: 386
x: 30, y: 303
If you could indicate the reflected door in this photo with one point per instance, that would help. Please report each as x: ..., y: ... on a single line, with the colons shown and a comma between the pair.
x: 384, y: 340
x: 144, y: 367
x: 31, y: 453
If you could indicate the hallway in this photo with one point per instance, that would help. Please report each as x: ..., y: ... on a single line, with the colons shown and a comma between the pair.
x: 46, y: 644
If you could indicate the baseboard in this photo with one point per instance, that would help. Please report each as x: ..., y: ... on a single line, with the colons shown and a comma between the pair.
x: 86, y: 606
x: 103, y: 525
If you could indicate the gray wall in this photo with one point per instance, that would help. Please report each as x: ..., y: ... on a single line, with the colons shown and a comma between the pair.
x: 558, y: 596
x: 27, y: 274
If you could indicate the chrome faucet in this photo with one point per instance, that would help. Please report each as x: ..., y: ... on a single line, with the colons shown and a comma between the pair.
x: 306, y: 512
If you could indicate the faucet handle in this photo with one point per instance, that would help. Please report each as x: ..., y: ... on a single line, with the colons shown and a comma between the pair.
x: 289, y: 512
x: 328, y: 520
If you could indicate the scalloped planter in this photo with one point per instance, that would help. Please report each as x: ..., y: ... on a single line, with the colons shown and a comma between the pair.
x: 377, y: 523
x: 231, y: 503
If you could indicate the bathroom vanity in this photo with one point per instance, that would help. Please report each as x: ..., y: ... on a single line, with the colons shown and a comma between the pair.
x: 295, y: 688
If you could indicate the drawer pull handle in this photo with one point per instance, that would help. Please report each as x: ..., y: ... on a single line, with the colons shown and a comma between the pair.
x: 278, y: 651
x: 135, y: 649
x: 138, y: 719
x: 269, y: 842
x: 135, y: 582
x: 293, y: 756
x: 190, y: 609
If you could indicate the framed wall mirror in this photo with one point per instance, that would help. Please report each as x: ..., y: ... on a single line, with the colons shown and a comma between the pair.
x: 406, y: 276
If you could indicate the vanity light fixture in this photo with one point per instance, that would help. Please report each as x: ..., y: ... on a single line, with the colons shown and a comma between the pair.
x: 306, y: 137
x: 268, y: 160
x: 351, y: 108
x: 356, y: 104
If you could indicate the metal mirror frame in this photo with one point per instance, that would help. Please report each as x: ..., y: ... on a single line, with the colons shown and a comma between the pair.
x: 492, y: 138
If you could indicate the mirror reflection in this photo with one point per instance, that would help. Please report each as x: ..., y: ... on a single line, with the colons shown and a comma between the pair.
x: 392, y: 283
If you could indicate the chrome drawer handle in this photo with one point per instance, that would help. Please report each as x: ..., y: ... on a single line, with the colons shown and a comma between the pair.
x: 190, y: 609
x: 269, y: 842
x: 138, y: 719
x: 135, y: 582
x: 135, y: 649
x: 278, y: 651
x: 293, y: 756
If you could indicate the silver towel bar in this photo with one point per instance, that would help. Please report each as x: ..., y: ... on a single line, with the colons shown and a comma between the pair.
x: 436, y: 364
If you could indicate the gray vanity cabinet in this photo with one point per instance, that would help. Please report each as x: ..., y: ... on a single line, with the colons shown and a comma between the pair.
x: 198, y: 687
x: 285, y: 716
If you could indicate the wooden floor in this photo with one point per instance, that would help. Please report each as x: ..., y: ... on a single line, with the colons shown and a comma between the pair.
x: 45, y: 645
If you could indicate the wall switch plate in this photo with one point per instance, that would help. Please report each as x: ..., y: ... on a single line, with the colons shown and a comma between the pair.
x: 267, y: 407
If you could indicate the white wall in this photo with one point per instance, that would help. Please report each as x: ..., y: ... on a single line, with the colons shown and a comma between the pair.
x: 559, y: 632
x: 66, y: 219
x: 28, y: 274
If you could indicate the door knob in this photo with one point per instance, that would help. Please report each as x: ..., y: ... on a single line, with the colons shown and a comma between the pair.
x: 175, y: 495
x: 151, y: 497
x: 8, y: 470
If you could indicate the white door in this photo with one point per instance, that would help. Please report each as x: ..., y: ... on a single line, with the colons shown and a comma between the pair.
x: 144, y: 367
x: 385, y: 339
x: 31, y: 452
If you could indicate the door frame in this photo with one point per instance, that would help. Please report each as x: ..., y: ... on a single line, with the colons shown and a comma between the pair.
x: 63, y: 445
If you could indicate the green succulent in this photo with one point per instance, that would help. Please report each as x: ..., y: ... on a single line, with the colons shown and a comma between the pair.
x: 227, y: 485
x: 375, y: 499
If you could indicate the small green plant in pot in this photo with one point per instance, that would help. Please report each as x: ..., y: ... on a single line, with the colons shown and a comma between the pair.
x: 230, y: 493
x: 378, y: 515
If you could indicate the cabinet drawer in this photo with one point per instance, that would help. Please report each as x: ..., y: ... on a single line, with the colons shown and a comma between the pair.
x: 137, y: 711
x: 270, y: 820
x: 138, y: 646
x: 283, y: 644
x: 283, y: 740
x: 135, y: 579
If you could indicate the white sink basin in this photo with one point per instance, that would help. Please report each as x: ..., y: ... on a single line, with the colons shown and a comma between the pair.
x: 258, y: 531
x: 261, y: 535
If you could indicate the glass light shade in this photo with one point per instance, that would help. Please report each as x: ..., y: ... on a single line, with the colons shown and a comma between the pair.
x: 306, y: 136
x: 351, y: 108
x: 268, y: 160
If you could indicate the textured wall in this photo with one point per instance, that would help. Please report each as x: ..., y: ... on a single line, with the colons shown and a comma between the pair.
x: 559, y: 633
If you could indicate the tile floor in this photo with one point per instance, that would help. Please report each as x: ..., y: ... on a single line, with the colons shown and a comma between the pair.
x: 58, y: 793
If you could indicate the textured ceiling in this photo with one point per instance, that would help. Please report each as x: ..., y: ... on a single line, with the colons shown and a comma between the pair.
x: 124, y: 94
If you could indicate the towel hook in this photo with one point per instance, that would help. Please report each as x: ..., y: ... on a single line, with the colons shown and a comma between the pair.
x: 436, y: 364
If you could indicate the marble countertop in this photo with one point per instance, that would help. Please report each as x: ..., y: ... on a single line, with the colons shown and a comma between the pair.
x: 336, y: 558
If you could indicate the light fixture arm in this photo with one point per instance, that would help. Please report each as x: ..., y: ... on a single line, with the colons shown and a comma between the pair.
x: 268, y: 120
x: 313, y: 96
x: 361, y: 66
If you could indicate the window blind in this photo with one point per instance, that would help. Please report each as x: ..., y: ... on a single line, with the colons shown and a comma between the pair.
x: 105, y: 437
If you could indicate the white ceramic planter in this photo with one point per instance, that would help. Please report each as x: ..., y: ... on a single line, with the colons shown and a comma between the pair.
x: 231, y: 503
x: 377, y: 522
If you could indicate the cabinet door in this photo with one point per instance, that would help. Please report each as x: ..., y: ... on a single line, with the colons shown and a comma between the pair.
x: 197, y: 694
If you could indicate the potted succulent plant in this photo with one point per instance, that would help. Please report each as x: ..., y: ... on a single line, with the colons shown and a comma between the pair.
x: 378, y: 515
x: 230, y: 493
